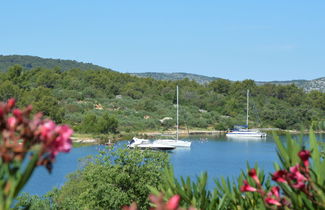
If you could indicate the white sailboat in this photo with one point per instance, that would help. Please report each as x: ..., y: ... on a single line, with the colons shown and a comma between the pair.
x: 174, y: 142
x: 243, y: 131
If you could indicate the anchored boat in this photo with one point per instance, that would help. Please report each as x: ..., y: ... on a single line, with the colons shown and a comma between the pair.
x: 147, y: 144
x: 242, y: 130
x: 174, y: 142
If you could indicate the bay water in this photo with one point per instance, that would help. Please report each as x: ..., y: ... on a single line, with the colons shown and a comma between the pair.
x: 218, y: 155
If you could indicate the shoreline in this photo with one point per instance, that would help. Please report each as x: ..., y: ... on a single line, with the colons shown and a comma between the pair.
x: 111, y: 139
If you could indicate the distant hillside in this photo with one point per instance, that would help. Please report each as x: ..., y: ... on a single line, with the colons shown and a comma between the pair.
x: 308, y: 85
x: 316, y: 84
x: 31, y: 62
x: 299, y: 83
x: 176, y: 76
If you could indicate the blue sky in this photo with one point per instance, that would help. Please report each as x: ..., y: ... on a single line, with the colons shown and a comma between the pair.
x: 260, y: 40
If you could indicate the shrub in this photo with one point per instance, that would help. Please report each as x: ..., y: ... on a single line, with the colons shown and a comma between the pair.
x: 110, y: 180
x: 299, y: 183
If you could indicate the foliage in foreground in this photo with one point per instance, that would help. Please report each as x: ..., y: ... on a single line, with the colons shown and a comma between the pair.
x: 298, y: 183
x: 108, y: 181
x: 25, y: 142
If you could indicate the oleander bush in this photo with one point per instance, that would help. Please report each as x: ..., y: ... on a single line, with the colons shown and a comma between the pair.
x: 26, y: 141
x: 297, y: 183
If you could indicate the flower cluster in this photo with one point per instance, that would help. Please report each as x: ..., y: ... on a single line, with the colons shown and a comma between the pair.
x: 160, y: 204
x: 297, y: 177
x: 20, y: 133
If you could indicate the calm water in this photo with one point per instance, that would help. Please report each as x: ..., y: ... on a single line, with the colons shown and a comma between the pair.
x: 217, y: 155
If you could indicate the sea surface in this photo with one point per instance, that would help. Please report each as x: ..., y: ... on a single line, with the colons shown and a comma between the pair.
x: 218, y: 155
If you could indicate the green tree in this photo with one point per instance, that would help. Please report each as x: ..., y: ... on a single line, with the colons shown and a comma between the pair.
x: 89, y: 123
x: 220, y: 86
x: 47, y: 78
x: 107, y: 124
x: 108, y: 181
x: 43, y: 101
x: 9, y: 90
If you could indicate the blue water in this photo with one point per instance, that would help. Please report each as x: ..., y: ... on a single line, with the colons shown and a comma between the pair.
x: 217, y: 155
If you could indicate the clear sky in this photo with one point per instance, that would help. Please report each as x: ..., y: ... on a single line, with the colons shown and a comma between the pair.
x: 261, y: 40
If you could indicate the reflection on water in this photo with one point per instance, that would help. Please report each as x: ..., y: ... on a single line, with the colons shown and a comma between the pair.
x: 245, y: 138
x: 217, y: 155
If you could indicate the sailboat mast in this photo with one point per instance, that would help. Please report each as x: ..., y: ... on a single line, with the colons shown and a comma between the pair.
x: 177, y: 113
x: 247, y: 108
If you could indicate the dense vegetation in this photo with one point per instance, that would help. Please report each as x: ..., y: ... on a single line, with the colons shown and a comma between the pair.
x: 101, y: 101
x: 177, y: 76
x: 307, y: 85
x: 31, y: 62
x: 108, y: 181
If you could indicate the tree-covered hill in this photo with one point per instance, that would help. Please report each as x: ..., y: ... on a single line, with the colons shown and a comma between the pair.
x: 32, y: 62
x: 176, y: 76
x: 101, y: 101
x: 307, y: 85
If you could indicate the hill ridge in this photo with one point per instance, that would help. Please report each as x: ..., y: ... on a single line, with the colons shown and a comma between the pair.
x: 31, y: 62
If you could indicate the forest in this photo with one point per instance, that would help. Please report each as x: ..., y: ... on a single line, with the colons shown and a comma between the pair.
x: 100, y: 101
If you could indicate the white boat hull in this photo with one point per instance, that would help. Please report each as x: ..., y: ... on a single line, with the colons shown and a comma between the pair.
x: 152, y: 146
x: 147, y: 144
x: 246, y: 134
x: 172, y: 142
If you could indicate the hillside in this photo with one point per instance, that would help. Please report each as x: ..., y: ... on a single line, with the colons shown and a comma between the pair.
x: 32, y: 62
x: 100, y: 101
x: 316, y: 84
x: 299, y: 83
x: 307, y: 85
x: 176, y: 76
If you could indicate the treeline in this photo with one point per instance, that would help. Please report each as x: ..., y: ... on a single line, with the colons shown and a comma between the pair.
x: 31, y: 62
x: 101, y: 101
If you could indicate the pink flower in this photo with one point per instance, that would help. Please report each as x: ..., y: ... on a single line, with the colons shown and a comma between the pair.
x: 295, y: 174
x: 247, y: 188
x: 173, y: 202
x: 299, y: 185
x: 63, y: 140
x: 47, y: 130
x: 272, y: 201
x: 56, y: 138
x: 1, y: 112
x: 12, y: 121
x: 275, y: 191
x: 280, y: 176
x: 18, y: 114
x: 11, y: 103
x: 252, y: 173
x: 304, y: 156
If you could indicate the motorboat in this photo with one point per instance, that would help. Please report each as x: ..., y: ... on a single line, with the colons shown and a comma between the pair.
x: 242, y: 130
x: 147, y: 144
x: 174, y: 142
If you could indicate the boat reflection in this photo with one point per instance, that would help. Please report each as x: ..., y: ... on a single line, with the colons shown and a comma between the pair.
x: 245, y: 138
